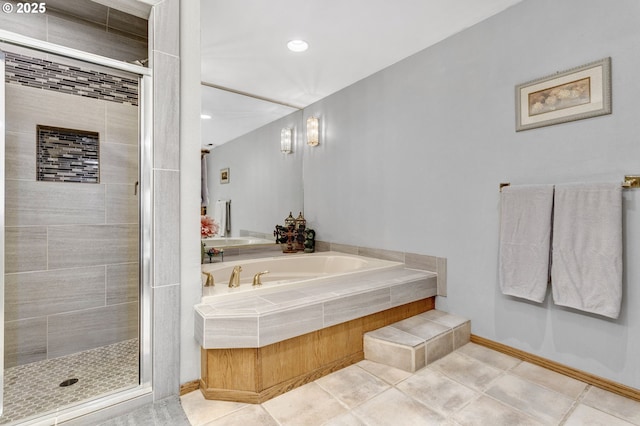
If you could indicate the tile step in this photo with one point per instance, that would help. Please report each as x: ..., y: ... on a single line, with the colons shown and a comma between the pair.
x: 415, y: 342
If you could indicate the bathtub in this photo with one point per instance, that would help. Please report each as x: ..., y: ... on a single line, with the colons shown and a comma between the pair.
x: 235, y: 241
x: 288, y: 272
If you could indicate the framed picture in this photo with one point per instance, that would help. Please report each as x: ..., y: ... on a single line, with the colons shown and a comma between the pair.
x: 224, y: 175
x: 575, y: 94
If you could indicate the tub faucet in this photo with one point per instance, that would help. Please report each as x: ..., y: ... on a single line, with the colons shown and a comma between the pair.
x: 256, y: 278
x: 234, y: 280
x: 209, y: 282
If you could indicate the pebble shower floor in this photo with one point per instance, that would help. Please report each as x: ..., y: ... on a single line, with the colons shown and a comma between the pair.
x: 34, y: 389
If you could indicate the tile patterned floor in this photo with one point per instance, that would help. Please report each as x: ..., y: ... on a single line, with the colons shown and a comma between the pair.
x: 471, y: 386
x: 34, y: 389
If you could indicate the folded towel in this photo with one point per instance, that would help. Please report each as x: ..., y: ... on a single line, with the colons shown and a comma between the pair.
x: 586, y: 272
x: 220, y: 215
x: 525, y: 237
x: 204, y: 186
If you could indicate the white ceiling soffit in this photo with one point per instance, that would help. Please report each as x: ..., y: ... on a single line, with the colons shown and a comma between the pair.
x: 244, y: 41
x: 234, y: 115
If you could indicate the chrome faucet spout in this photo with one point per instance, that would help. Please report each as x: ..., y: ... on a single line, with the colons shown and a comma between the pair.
x: 256, y: 278
x: 234, y: 279
x: 209, y: 282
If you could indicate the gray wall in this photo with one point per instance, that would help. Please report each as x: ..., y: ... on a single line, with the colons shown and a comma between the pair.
x: 264, y: 184
x: 71, y: 279
x: 413, y: 155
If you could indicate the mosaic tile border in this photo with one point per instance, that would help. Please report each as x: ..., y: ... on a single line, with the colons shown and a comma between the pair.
x: 47, y: 75
x: 67, y: 155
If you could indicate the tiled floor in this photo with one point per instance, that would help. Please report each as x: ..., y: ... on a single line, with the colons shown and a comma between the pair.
x: 471, y: 386
x: 34, y: 389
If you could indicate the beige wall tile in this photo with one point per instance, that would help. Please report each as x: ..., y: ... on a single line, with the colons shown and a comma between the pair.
x: 25, y: 249
x: 25, y: 341
x: 442, y: 276
x: 88, y: 245
x: 166, y: 338
x: 29, y: 24
x: 123, y: 283
x: 122, y: 203
x: 166, y: 16
x: 421, y: 261
x: 94, y: 39
x: 20, y: 154
x: 351, y: 307
x: 166, y: 89
x: 28, y: 107
x: 38, y: 294
x: 344, y: 248
x: 118, y: 163
x: 91, y: 328
x: 122, y: 124
x: 166, y: 228
x: 396, y: 256
x: 53, y: 203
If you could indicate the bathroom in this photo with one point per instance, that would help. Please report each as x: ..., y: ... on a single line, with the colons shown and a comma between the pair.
x: 419, y: 175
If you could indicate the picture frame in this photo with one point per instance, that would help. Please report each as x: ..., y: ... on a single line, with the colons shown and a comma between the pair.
x: 578, y: 93
x: 224, y: 175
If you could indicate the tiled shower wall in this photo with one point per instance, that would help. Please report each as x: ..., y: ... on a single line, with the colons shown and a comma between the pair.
x: 71, y: 249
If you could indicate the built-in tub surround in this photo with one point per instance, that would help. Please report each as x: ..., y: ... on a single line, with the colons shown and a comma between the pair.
x: 286, y: 273
x: 411, y: 260
x: 330, y: 293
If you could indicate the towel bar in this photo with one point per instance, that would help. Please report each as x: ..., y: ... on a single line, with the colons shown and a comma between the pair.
x: 630, y: 181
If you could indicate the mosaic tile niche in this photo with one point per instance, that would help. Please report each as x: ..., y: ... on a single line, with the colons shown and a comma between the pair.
x: 67, y: 155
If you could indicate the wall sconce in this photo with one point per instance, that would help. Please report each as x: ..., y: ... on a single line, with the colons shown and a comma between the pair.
x: 285, y: 140
x: 313, y: 131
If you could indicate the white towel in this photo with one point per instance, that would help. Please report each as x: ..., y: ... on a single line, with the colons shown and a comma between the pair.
x: 220, y: 216
x: 525, y: 237
x: 204, y: 186
x: 586, y: 272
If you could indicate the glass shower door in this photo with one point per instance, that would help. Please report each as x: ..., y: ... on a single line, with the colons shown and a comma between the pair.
x: 69, y: 232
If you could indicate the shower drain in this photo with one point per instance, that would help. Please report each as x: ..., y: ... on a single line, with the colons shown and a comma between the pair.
x: 68, y: 382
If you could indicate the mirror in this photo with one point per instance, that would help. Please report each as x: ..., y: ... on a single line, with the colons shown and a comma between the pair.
x: 261, y: 184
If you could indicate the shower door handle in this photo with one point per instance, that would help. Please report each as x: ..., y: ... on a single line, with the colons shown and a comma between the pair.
x: 135, y: 188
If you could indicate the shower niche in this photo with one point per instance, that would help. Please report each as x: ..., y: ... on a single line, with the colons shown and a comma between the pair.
x: 67, y: 155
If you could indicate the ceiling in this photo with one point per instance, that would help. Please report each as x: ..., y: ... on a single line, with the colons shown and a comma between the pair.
x: 243, y: 46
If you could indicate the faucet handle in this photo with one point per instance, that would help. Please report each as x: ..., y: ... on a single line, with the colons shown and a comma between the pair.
x: 256, y: 278
x: 209, y: 281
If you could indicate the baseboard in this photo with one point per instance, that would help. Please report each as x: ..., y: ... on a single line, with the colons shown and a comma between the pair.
x: 588, y: 378
x: 188, y: 387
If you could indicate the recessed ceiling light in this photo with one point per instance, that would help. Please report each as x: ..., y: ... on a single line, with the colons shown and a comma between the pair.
x: 205, y: 116
x: 298, y: 45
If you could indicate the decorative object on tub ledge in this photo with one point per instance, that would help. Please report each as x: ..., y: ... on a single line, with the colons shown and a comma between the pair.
x: 309, y: 241
x: 575, y: 94
x: 293, y: 235
x: 208, y: 228
x: 224, y: 175
x: 301, y: 225
x: 212, y: 251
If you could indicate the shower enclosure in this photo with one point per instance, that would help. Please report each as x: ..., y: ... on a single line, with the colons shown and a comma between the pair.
x: 74, y: 225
